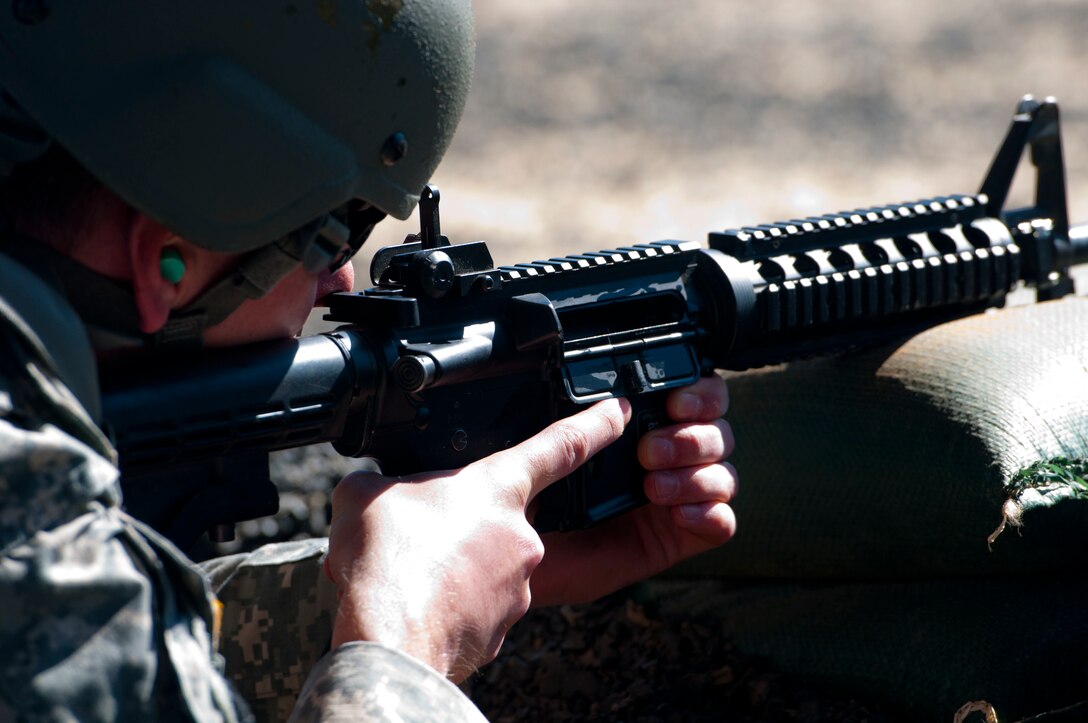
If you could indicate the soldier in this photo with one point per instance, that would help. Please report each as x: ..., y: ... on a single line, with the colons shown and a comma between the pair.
x: 178, y: 175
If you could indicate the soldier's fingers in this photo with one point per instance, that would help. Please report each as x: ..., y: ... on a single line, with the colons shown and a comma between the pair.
x: 713, y: 522
x: 690, y: 485
x: 559, y: 449
x: 686, y: 445
x: 703, y: 401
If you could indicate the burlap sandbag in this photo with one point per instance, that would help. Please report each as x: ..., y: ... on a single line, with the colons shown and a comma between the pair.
x: 871, y: 485
x: 894, y: 463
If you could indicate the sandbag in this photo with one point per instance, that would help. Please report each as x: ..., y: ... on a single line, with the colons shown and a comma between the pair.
x: 911, y: 519
x: 898, y: 462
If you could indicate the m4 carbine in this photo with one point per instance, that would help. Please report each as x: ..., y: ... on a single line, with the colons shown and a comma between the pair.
x: 449, y: 359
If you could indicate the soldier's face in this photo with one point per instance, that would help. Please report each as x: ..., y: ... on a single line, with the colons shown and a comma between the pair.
x: 282, y: 312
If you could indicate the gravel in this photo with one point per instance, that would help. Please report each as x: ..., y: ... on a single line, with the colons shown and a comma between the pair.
x: 617, y: 660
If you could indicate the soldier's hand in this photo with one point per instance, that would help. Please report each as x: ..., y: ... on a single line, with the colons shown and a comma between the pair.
x: 689, y: 486
x: 438, y: 564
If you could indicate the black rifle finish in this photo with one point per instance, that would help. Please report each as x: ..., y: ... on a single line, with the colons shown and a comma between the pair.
x: 449, y: 359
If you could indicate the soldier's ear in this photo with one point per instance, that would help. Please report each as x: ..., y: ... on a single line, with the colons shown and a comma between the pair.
x: 158, y: 270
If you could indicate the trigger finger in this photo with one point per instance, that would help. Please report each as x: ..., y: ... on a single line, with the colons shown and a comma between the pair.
x: 560, y: 448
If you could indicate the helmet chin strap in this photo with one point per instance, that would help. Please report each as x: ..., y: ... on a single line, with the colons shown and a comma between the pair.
x: 255, y: 276
x: 108, y: 306
x: 313, y: 246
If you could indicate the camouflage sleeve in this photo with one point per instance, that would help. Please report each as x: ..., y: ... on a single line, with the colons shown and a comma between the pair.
x: 101, y: 618
x: 278, y: 610
x: 366, y: 681
x: 99, y: 621
x: 276, y: 623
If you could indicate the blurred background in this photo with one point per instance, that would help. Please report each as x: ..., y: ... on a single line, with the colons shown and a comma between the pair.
x: 598, y: 124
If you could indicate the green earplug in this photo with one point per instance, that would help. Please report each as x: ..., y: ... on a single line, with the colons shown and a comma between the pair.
x: 171, y: 266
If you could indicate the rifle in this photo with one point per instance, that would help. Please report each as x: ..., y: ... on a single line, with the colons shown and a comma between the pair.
x: 448, y: 359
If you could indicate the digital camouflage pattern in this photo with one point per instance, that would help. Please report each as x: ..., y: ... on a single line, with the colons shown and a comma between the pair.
x: 277, y: 615
x: 396, y: 688
x: 105, y: 620
x: 276, y: 624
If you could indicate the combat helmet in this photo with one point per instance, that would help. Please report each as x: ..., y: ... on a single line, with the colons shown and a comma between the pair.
x: 243, y: 125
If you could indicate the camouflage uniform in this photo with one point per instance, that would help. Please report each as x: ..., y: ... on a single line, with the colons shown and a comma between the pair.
x: 104, y: 619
